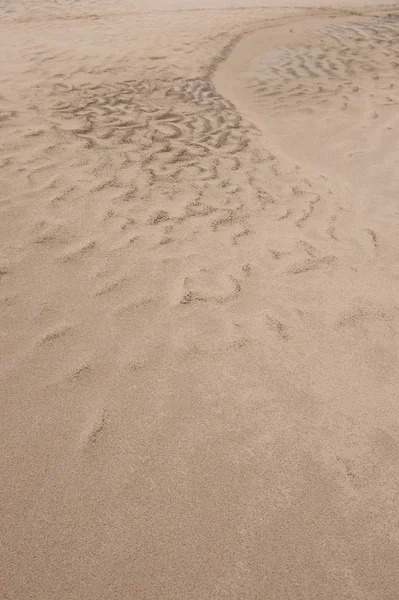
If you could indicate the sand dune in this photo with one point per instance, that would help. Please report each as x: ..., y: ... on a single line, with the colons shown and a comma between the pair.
x: 199, y: 301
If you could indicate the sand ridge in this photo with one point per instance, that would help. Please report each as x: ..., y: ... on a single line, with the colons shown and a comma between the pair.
x: 199, y: 317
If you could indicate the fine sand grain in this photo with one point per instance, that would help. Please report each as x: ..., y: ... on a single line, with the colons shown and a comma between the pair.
x: 199, y: 301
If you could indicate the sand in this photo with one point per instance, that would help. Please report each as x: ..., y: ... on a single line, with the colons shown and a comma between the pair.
x: 199, y: 301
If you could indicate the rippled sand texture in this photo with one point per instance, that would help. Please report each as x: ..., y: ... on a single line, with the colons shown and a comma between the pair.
x: 199, y: 304
x: 339, y: 84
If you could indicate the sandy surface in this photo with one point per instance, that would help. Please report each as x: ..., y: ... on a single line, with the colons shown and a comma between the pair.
x: 199, y: 308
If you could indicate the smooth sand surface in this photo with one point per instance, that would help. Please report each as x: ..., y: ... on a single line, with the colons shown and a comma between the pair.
x: 199, y: 301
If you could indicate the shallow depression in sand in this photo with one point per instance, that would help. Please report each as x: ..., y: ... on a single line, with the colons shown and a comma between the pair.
x: 327, y: 92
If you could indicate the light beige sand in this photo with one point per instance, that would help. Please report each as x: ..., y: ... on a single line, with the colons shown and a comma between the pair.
x: 199, y: 302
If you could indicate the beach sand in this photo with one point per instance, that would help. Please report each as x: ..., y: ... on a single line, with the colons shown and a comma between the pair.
x: 199, y: 308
